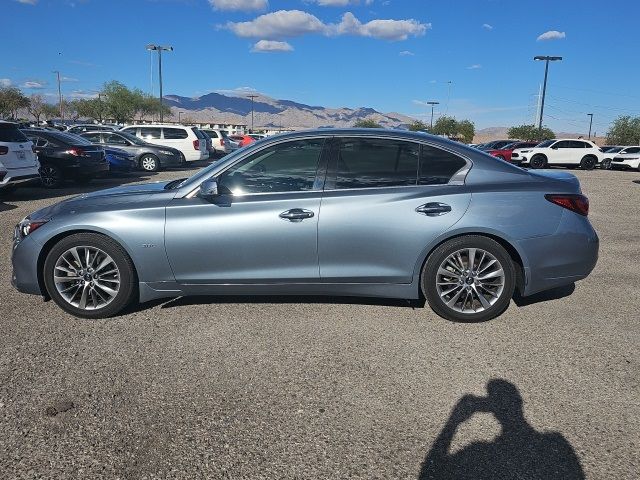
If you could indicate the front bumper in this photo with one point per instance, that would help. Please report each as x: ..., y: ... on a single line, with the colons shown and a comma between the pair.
x: 175, y: 160
x: 24, y: 260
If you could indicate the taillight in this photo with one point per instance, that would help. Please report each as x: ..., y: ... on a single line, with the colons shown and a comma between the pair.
x: 574, y: 202
x: 222, y: 142
x: 76, y: 152
x: 196, y: 144
x: 4, y: 150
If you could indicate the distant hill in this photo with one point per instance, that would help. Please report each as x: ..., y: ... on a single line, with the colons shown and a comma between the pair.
x: 271, y: 113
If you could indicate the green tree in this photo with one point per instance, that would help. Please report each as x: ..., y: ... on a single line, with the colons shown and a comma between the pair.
x: 36, y: 106
x: 467, y: 130
x: 367, y: 124
x: 120, y: 103
x: 50, y: 111
x: 12, y: 100
x: 418, y: 126
x: 624, y: 131
x: 447, y: 126
x: 89, y: 108
x: 530, y: 133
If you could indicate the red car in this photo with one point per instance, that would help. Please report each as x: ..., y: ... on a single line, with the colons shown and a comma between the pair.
x: 242, y: 140
x: 505, y: 152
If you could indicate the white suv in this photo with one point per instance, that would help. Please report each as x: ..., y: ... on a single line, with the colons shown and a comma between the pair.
x: 18, y: 161
x: 218, y: 140
x: 566, y: 152
x: 189, y: 140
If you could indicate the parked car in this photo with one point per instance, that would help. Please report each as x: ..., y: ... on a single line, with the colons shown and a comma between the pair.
x: 189, y: 140
x: 17, y: 156
x: 243, y: 140
x: 64, y: 156
x: 119, y: 160
x: 494, y: 145
x: 231, y: 144
x: 301, y: 214
x: 562, y: 152
x: 148, y: 156
x: 628, y: 158
x: 218, y: 141
x: 257, y: 136
x: 505, y: 152
x: 609, y: 151
x: 92, y: 127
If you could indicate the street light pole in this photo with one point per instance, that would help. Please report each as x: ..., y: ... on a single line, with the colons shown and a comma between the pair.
x: 547, y: 59
x: 252, y: 97
x: 590, y: 123
x: 433, y: 104
x: 57, y: 72
x: 159, y: 49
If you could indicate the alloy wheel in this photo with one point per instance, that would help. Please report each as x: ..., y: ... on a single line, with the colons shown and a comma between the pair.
x: 86, y: 277
x: 470, y: 280
x: 49, y: 176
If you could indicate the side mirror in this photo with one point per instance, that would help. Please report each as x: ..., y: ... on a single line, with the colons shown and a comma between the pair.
x: 209, y: 188
x: 555, y: 147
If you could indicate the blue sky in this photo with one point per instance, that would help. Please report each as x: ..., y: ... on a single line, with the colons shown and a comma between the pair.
x: 387, y: 54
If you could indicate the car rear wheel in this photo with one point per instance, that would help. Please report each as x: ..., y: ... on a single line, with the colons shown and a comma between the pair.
x: 538, y: 161
x: 588, y: 163
x: 149, y: 163
x: 469, y: 279
x: 90, y: 276
x: 51, y: 176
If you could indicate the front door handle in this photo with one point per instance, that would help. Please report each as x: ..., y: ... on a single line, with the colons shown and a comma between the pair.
x: 434, y: 209
x: 296, y: 214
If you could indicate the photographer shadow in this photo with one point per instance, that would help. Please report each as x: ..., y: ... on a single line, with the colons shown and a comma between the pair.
x: 518, y: 452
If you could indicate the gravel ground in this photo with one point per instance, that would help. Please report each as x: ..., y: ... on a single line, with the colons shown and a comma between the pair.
x: 329, y: 388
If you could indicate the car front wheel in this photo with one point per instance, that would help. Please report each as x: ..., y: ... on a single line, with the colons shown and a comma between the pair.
x: 538, y: 161
x: 469, y: 279
x: 149, y: 163
x: 90, y: 276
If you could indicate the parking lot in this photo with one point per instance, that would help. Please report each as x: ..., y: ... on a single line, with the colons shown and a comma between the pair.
x: 325, y: 387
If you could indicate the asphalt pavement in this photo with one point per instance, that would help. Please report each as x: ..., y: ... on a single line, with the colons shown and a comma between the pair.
x: 329, y: 388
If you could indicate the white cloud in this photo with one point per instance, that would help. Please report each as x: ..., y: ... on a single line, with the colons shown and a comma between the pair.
x: 68, y: 79
x: 551, y: 35
x: 475, y: 66
x: 241, y: 5
x: 406, y: 53
x: 28, y: 2
x: 393, y: 30
x: 271, y: 46
x: 82, y: 94
x: 237, y: 92
x: 5, y: 82
x: 294, y: 23
x: 280, y: 24
x: 486, y: 26
x: 33, y: 84
x: 433, y: 81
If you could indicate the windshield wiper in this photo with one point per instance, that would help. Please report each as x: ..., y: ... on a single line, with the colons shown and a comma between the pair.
x: 174, y: 184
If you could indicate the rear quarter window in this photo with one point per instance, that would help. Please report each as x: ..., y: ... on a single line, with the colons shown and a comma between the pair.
x: 174, y: 133
x: 11, y: 134
x: 437, y: 166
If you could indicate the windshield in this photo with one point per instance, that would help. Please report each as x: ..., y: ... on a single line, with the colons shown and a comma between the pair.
x: 544, y: 144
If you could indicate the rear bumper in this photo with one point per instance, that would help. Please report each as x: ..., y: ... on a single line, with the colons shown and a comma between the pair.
x: 569, y: 255
x: 86, y: 169
x: 17, y: 176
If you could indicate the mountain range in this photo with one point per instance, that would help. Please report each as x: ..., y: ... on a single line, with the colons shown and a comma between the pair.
x: 273, y: 113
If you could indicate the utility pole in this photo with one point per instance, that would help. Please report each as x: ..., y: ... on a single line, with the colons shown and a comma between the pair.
x: 433, y: 104
x: 57, y: 72
x: 448, y: 95
x: 546, y: 59
x: 590, y: 123
x: 252, y: 97
x: 179, y: 113
x: 160, y: 49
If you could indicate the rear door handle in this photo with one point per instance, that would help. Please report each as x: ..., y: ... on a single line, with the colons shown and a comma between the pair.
x: 296, y: 214
x: 434, y: 209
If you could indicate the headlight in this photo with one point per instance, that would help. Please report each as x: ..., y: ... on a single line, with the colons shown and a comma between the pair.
x: 27, y: 226
x: 166, y: 152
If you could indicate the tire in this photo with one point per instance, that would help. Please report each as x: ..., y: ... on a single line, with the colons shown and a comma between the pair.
x: 588, y: 163
x: 149, y: 163
x: 605, y: 164
x: 104, y: 292
x: 51, y: 176
x: 490, y: 258
x: 538, y: 161
x: 501, y: 157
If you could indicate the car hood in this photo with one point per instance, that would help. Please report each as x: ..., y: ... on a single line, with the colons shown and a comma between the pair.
x: 101, y: 199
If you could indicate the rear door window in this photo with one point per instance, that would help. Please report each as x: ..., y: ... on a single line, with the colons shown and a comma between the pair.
x: 372, y: 162
x: 174, y: 133
x: 437, y: 166
x: 95, y: 137
x: 150, y: 133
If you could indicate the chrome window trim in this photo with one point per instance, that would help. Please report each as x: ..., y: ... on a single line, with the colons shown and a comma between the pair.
x: 457, y: 179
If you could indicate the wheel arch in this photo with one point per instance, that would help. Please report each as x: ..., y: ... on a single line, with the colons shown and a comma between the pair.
x: 517, y: 256
x: 53, y: 240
